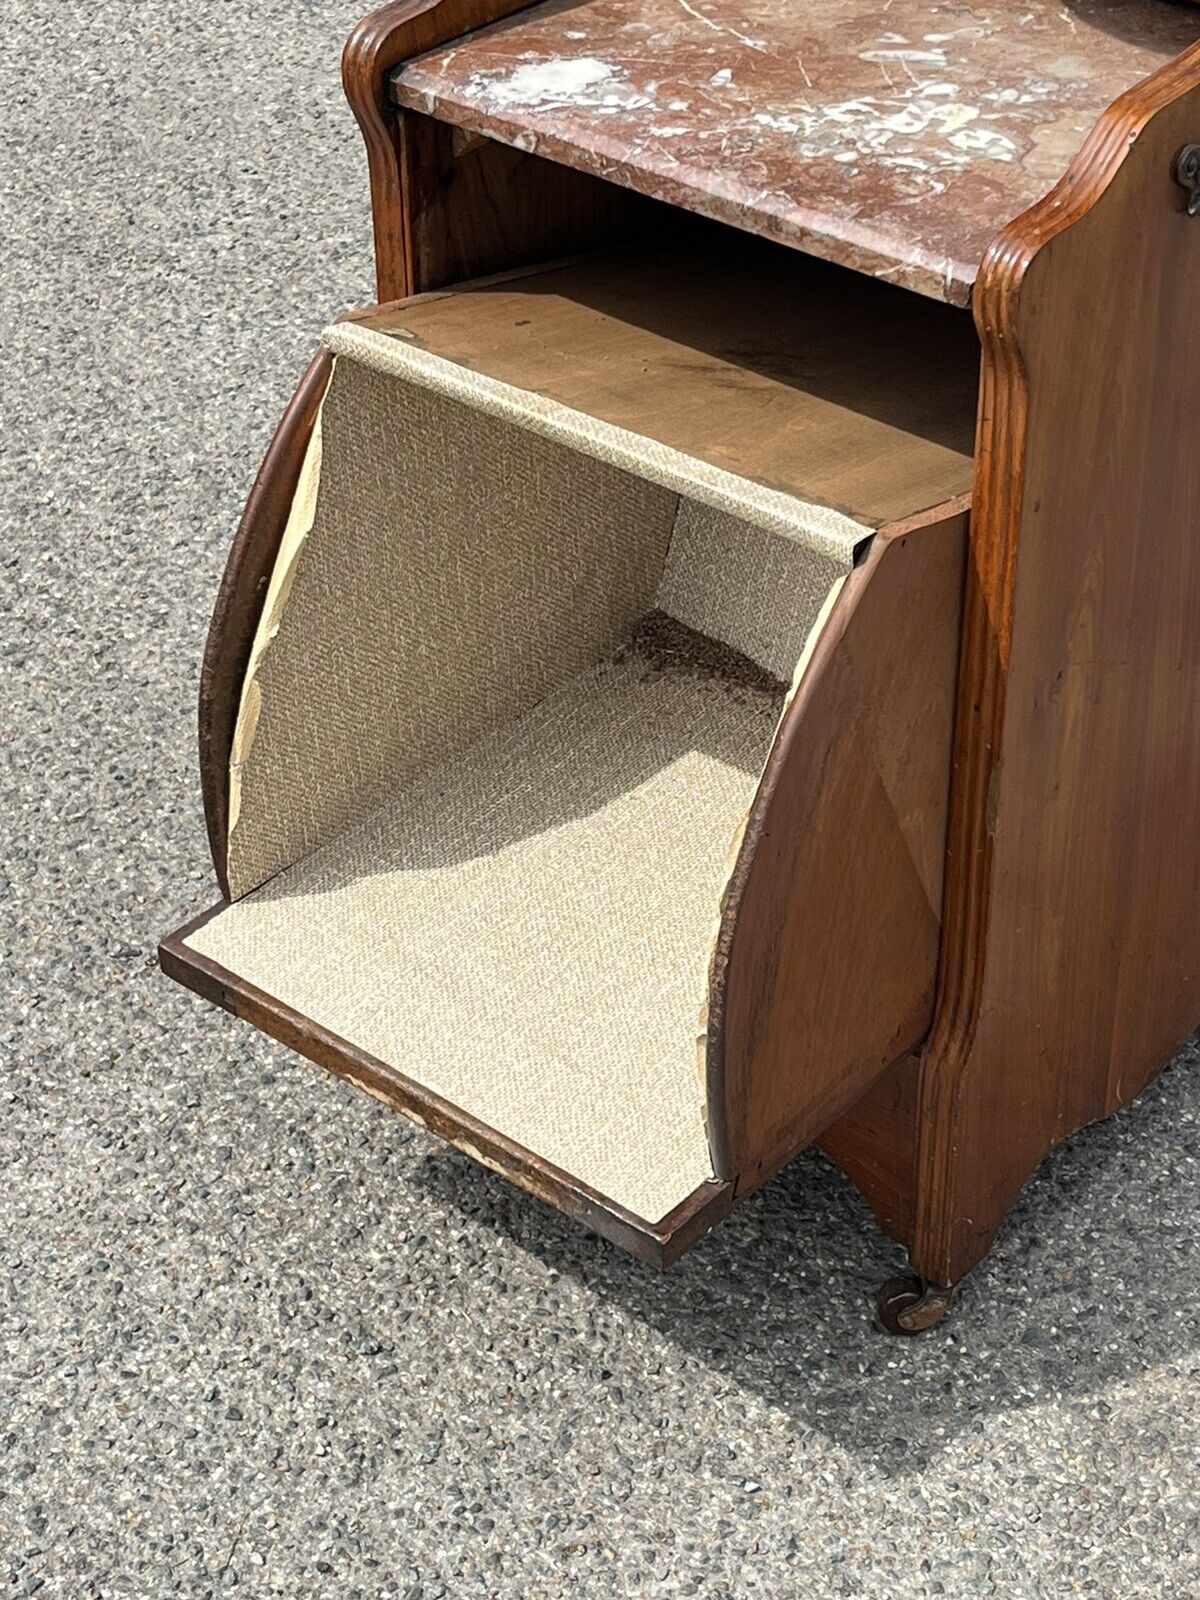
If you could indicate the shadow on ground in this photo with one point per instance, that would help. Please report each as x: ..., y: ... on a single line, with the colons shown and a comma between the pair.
x: 779, y: 1298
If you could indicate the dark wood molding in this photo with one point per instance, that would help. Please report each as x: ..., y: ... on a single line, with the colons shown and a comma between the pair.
x: 966, y: 1079
x: 657, y: 1243
x: 240, y: 600
x: 379, y: 43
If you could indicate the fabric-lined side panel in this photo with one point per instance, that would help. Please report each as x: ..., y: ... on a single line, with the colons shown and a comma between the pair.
x: 753, y: 589
x: 458, y: 568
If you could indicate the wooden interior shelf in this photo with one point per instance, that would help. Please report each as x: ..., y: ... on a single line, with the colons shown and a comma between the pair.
x: 805, y: 378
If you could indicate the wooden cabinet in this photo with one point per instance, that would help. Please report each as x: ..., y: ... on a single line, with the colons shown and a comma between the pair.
x: 685, y: 688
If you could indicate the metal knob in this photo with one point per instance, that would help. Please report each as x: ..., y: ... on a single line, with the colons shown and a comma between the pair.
x: 1187, y: 173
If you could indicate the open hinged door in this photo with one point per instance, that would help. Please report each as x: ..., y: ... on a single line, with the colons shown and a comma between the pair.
x: 568, y: 563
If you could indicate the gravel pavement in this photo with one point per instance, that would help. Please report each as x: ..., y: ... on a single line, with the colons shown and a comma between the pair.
x: 258, y: 1336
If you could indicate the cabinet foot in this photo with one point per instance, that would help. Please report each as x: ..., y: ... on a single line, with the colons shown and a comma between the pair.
x: 908, y: 1305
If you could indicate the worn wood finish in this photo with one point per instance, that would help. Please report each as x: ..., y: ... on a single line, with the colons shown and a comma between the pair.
x: 1071, y: 958
x: 474, y: 206
x: 875, y: 1144
x: 822, y: 383
x: 240, y: 600
x: 827, y: 954
x: 893, y: 136
x: 1063, y: 897
x: 658, y: 1243
x: 377, y: 45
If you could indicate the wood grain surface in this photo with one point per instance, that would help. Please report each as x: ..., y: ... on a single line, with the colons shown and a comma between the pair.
x: 827, y: 956
x: 1071, y: 959
x: 799, y: 375
x: 875, y: 1143
x: 474, y: 207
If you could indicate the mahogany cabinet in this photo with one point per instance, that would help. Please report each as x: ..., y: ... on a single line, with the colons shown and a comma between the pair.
x: 709, y: 663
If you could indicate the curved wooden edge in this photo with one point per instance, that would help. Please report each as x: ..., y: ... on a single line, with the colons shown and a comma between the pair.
x: 826, y: 957
x: 240, y: 600
x: 379, y: 43
x: 659, y: 1244
x: 1002, y: 432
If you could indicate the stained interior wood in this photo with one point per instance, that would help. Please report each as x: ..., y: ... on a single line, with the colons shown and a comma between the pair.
x: 478, y: 207
x: 788, y: 371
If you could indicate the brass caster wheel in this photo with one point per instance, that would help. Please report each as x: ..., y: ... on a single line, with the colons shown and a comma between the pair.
x: 908, y: 1305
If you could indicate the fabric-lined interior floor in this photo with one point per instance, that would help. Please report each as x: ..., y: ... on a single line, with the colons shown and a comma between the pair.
x: 526, y: 929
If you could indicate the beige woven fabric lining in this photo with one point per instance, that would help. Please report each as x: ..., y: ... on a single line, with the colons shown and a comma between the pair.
x: 457, y: 569
x: 746, y: 586
x: 525, y: 929
x: 437, y: 507
x: 487, y: 857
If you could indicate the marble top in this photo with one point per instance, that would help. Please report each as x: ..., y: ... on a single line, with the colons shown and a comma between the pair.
x: 892, y: 136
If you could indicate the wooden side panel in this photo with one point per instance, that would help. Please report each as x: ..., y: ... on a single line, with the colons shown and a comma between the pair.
x: 240, y: 600
x: 875, y: 1144
x: 1071, y: 964
x: 828, y: 950
x: 475, y: 207
x: 377, y: 45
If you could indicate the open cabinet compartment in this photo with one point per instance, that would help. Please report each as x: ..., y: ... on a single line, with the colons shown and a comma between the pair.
x: 558, y: 550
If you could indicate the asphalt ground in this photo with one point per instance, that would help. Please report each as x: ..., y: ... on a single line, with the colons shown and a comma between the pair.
x: 259, y: 1336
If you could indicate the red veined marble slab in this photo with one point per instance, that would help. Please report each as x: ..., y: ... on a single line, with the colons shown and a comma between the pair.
x: 889, y: 135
